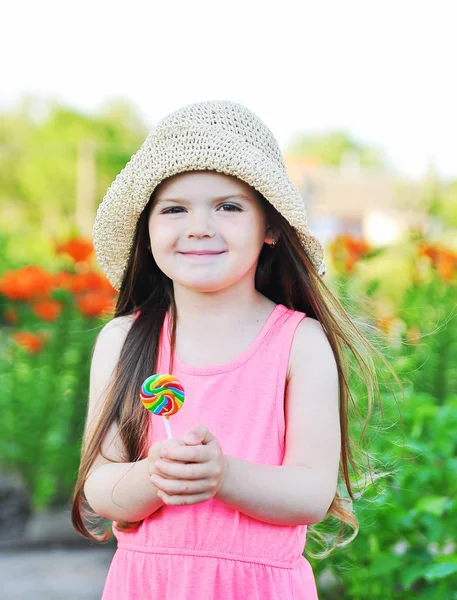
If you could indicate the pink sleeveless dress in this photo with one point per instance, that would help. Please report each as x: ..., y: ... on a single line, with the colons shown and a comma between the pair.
x: 209, y: 551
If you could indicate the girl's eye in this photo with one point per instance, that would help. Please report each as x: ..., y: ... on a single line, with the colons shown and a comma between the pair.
x: 169, y: 210
x: 231, y: 207
x: 228, y: 208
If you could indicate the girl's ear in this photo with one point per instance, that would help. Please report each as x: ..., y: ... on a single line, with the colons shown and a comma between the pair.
x: 271, y: 236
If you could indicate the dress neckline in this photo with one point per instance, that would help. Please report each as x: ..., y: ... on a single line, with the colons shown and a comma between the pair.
x: 278, y: 310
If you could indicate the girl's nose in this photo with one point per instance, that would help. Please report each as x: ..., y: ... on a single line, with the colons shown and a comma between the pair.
x: 200, y: 225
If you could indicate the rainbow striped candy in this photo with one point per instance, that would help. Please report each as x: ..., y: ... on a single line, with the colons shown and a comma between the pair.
x: 162, y: 394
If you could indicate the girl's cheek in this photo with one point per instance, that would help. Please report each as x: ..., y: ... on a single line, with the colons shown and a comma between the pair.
x: 163, y: 234
x: 162, y: 243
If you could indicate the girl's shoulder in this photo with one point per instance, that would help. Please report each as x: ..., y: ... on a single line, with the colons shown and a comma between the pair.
x: 310, y: 340
x: 309, y: 331
x: 117, y: 328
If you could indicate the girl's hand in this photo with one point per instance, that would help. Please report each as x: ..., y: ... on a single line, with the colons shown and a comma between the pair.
x: 191, y: 473
x: 155, y: 449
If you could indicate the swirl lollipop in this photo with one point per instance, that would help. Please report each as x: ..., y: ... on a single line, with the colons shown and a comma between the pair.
x: 162, y: 395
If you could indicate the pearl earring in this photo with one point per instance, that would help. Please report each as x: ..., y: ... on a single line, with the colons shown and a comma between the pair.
x: 273, y: 244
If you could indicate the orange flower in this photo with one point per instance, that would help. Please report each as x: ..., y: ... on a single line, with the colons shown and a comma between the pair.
x: 63, y: 280
x: 428, y: 250
x: 446, y: 264
x: 346, y: 251
x: 357, y: 247
x: 95, y: 303
x: 26, y: 283
x: 442, y: 259
x: 385, y: 323
x: 349, y: 262
x: 90, y: 281
x: 11, y: 315
x: 48, y: 310
x: 79, y: 249
x: 413, y: 335
x: 31, y: 342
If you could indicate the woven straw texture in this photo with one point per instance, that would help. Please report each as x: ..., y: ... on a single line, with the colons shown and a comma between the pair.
x: 218, y: 135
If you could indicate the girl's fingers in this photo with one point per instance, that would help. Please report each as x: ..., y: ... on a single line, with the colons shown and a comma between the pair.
x: 178, y: 470
x: 196, y: 453
x: 182, y: 487
x: 180, y: 500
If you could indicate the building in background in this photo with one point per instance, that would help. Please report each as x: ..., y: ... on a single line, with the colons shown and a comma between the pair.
x: 363, y: 201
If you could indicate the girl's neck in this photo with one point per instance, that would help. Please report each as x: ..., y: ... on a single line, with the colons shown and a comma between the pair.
x: 220, y: 313
x: 219, y: 338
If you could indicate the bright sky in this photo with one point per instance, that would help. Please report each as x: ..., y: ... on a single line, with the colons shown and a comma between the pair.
x: 384, y: 71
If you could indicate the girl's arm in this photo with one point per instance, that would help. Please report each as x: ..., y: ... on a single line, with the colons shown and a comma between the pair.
x: 123, y: 491
x: 286, y: 495
x: 119, y: 491
x: 302, y: 489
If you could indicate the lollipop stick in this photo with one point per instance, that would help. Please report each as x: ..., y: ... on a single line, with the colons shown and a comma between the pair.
x: 167, y: 427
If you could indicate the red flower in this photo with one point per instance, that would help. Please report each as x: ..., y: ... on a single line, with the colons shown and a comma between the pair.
x: 90, y: 281
x: 446, y: 264
x: 96, y: 303
x: 48, y: 310
x: 79, y: 249
x: 443, y: 259
x: 26, y: 283
x: 346, y: 251
x: 63, y: 280
x: 31, y: 342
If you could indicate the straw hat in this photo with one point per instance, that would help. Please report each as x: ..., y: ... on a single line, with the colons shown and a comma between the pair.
x: 218, y: 135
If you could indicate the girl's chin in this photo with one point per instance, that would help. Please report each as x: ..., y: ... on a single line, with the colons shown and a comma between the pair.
x: 203, y: 285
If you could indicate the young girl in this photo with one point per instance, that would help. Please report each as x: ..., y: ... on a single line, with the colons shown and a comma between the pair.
x: 219, y: 280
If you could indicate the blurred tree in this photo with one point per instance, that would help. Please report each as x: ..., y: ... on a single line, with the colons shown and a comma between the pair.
x: 448, y: 205
x: 40, y: 144
x: 334, y: 147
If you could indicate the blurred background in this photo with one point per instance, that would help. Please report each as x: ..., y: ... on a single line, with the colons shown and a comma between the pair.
x: 361, y: 98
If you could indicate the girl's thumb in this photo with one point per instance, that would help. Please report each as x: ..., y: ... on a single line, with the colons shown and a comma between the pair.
x: 191, y: 438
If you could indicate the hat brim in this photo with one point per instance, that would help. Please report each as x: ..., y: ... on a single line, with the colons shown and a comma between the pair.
x: 171, y: 151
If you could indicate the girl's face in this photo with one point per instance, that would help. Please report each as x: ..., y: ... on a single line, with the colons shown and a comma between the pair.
x: 206, y: 230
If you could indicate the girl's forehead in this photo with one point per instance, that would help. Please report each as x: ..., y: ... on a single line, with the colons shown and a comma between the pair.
x: 198, y: 185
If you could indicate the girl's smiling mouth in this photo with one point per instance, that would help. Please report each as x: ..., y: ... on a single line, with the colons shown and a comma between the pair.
x: 203, y: 253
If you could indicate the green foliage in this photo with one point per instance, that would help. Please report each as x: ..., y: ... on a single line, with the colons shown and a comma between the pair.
x: 406, y: 543
x: 432, y: 366
x: 408, y: 518
x: 38, y: 163
x: 330, y: 148
x: 43, y: 403
x: 448, y: 205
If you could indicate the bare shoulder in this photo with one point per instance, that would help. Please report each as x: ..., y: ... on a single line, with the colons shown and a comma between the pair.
x: 310, y: 346
x: 120, y: 325
x: 105, y: 357
x: 106, y: 353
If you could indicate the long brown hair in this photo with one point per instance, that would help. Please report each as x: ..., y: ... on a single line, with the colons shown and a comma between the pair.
x: 285, y: 275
